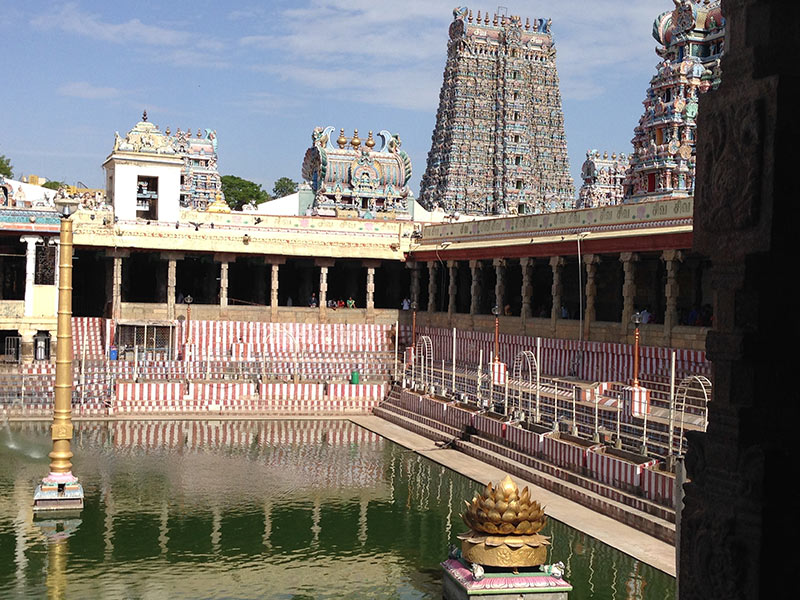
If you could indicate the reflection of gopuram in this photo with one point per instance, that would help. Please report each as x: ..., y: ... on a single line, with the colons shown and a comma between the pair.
x: 504, y: 536
x: 498, y: 145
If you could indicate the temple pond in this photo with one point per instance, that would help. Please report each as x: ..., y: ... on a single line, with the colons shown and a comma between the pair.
x: 295, y: 509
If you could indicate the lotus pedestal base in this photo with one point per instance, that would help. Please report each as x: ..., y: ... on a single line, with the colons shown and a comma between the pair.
x: 529, y: 584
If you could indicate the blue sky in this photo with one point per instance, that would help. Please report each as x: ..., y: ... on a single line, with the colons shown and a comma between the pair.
x: 264, y: 74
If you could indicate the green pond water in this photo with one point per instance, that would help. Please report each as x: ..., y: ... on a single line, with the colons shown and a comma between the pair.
x: 262, y: 509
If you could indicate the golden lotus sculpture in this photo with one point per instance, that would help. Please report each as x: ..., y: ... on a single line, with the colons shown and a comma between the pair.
x: 504, y: 528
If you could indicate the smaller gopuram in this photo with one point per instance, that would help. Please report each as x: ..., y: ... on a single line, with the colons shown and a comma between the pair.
x: 503, y: 555
x: 152, y: 174
x: 354, y: 179
x: 691, y: 39
x: 602, y: 179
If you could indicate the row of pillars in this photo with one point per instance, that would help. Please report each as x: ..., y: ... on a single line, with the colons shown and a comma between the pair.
x: 224, y: 260
x: 671, y: 259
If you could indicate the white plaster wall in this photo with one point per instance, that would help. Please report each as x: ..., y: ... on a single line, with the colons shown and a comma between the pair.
x: 169, y: 181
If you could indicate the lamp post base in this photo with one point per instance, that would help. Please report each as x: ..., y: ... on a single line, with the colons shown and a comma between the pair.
x: 58, y: 491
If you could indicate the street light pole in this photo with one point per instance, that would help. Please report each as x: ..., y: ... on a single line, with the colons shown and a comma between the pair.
x: 60, y: 489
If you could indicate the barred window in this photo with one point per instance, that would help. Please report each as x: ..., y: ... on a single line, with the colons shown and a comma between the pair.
x: 45, y: 264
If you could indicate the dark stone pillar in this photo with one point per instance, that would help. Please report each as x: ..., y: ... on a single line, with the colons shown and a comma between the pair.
x: 740, y: 517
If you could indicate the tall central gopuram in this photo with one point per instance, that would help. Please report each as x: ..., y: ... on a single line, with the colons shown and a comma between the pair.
x: 498, y: 146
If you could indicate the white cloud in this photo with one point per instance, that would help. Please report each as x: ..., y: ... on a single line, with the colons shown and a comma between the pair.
x: 87, y: 91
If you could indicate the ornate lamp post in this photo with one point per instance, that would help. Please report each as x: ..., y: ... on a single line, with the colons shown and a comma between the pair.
x: 188, y: 300
x: 61, y: 489
x: 414, y: 324
x: 496, y: 313
x: 637, y: 319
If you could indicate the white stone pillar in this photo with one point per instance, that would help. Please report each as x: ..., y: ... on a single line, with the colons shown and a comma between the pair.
x: 171, y: 282
x: 116, y: 294
x: 370, y: 288
x: 223, y: 284
x: 30, y: 270
x: 323, y: 287
x: 273, y: 287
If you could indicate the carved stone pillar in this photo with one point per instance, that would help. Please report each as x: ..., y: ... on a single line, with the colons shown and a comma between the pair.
x: 556, y: 264
x: 171, y: 282
x: 739, y: 513
x: 273, y: 290
x: 223, y: 284
x: 414, y: 266
x: 672, y: 260
x: 628, y: 260
x: 477, y: 287
x: 500, y: 284
x: 453, y: 289
x: 370, y: 289
x: 30, y: 270
x: 432, y: 285
x: 323, y: 287
x: 116, y: 288
x: 324, y: 264
x: 590, y: 260
x: 527, y: 287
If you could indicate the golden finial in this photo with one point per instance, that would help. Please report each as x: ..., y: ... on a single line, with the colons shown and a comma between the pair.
x: 167, y: 131
x: 199, y: 133
x: 479, y: 17
x: 370, y: 143
x: 342, y: 140
x: 470, y: 16
x: 527, y: 23
x: 355, y: 142
x: 494, y: 22
x: 486, y: 18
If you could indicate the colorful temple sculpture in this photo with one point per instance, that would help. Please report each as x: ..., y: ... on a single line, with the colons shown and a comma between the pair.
x: 152, y: 174
x: 691, y: 39
x: 498, y: 146
x: 354, y: 179
x: 602, y: 179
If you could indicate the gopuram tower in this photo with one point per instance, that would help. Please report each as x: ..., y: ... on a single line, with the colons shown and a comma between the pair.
x: 498, y: 146
x: 691, y: 41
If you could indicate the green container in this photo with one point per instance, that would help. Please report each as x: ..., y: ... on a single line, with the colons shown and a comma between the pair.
x: 354, y: 377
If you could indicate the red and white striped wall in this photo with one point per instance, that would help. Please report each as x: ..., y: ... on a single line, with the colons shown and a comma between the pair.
x: 566, y: 454
x: 615, y: 471
x: 292, y: 391
x: 659, y: 485
x: 592, y: 361
x: 636, y: 400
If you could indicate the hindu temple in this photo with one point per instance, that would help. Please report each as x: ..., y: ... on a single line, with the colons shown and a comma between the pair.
x: 498, y: 146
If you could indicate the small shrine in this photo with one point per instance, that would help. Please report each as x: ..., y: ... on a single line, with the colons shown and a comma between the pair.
x: 354, y: 179
x: 602, y: 179
x: 503, y: 554
x: 153, y: 174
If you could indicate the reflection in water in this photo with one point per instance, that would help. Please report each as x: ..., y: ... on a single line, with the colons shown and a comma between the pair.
x: 269, y: 509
